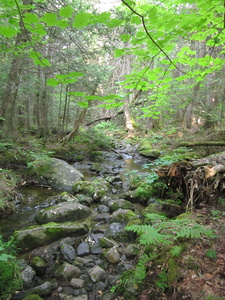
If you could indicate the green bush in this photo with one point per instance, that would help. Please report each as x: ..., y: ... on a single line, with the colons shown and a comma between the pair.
x: 9, y: 270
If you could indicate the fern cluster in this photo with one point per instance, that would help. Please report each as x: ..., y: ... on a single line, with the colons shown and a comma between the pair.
x: 160, y: 231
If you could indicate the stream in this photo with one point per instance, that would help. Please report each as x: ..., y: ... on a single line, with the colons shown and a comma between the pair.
x: 31, y: 197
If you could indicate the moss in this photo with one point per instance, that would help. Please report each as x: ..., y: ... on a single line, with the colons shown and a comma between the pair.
x: 173, y: 273
x: 33, y: 297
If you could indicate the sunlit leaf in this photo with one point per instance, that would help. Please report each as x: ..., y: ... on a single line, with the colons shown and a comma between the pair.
x: 81, y: 20
x: 30, y: 18
x: 52, y: 82
x: 50, y: 19
x: 8, y: 32
x: 66, y: 12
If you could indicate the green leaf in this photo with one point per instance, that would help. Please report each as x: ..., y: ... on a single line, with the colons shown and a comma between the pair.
x: 83, y: 104
x: 125, y: 37
x: 66, y: 12
x: 78, y: 94
x: 52, y: 82
x: 136, y: 20
x: 50, y: 19
x: 103, y: 17
x: 8, y: 32
x: 30, y: 18
x: 81, y: 20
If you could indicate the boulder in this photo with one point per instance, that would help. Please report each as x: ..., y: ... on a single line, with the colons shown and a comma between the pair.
x: 63, y: 212
x: 36, y: 236
x: 57, y: 173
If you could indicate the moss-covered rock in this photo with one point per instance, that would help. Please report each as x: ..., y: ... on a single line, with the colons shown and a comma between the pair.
x: 123, y: 215
x: 120, y: 203
x: 63, y: 212
x: 96, y: 188
x: 36, y: 236
x: 33, y: 297
x: 150, y: 153
x: 56, y: 173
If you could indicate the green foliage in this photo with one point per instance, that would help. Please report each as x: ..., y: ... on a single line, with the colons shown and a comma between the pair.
x: 211, y: 253
x: 9, y: 269
x: 162, y: 280
x: 176, y: 251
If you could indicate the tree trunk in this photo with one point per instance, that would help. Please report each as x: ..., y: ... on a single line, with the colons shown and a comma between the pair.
x: 13, y: 83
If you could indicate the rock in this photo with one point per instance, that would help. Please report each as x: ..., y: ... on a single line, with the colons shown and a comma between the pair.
x: 96, y: 188
x: 33, y: 297
x: 96, y: 249
x: 96, y: 274
x: 107, y: 243
x: 68, y: 253
x: 44, y: 289
x: 83, y: 249
x: 67, y: 272
x: 36, y: 236
x: 77, y: 283
x: 28, y: 276
x: 124, y: 215
x: 39, y: 265
x: 117, y: 232
x: 112, y: 255
x: 63, y: 212
x: 132, y: 250
x: 57, y: 173
x: 84, y: 199
x: 150, y: 153
x: 120, y: 203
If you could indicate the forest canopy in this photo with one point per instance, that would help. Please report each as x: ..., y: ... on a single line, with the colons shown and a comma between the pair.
x: 69, y: 62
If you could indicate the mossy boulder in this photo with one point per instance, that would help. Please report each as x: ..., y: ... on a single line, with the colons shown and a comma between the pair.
x: 120, y: 203
x: 96, y: 188
x: 33, y: 297
x: 123, y: 215
x: 56, y: 173
x: 150, y: 153
x: 36, y: 236
x: 63, y: 212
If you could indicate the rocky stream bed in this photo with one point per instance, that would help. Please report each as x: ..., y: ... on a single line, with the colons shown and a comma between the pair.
x: 70, y: 229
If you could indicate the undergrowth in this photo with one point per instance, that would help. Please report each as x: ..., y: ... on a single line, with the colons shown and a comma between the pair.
x: 9, y: 269
x: 162, y: 242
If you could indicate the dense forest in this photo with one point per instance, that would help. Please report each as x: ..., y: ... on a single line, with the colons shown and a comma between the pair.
x: 67, y: 63
x: 112, y: 114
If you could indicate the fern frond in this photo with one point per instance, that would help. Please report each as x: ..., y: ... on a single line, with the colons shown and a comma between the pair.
x: 155, y: 217
x: 140, y: 270
x: 194, y: 231
x: 151, y: 236
x: 176, y: 251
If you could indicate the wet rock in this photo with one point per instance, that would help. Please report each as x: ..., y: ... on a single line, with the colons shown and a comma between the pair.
x: 96, y: 274
x: 39, y: 265
x: 67, y: 272
x: 63, y: 212
x: 37, y: 236
x: 112, y: 255
x: 28, y: 276
x: 123, y: 215
x: 120, y: 203
x: 67, y: 252
x: 105, y: 217
x: 83, y: 249
x: 57, y: 173
x: 84, y: 199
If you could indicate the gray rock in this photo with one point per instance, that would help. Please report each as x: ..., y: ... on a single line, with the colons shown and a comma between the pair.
x: 96, y: 274
x: 37, y: 236
x: 83, y: 249
x: 68, y: 253
x: 67, y: 272
x: 63, y: 212
x: 57, y: 173
x: 28, y: 276
x: 112, y: 255
x: 123, y: 215
x: 96, y: 248
x: 77, y: 283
